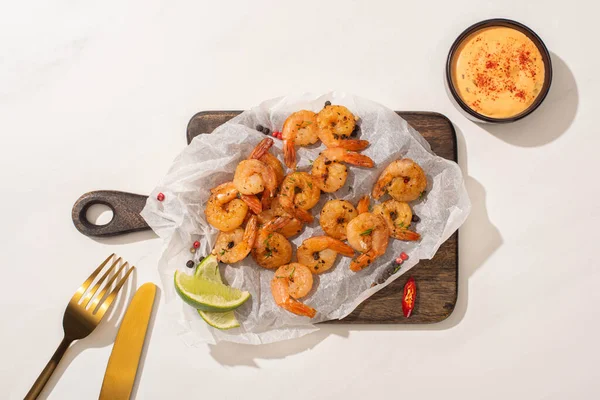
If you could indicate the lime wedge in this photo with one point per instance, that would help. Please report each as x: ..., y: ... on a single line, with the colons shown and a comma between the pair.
x: 220, y: 320
x: 209, y: 269
x: 208, y: 295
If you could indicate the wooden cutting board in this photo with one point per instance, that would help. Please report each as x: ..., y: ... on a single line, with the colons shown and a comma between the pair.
x: 437, y: 279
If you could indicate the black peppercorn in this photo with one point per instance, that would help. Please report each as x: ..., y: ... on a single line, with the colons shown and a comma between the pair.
x: 415, y: 218
x: 259, y: 128
x: 189, y: 264
x: 327, y: 103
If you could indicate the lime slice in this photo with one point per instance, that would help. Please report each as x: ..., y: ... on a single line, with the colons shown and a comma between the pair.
x: 220, y: 320
x: 209, y: 269
x: 208, y: 295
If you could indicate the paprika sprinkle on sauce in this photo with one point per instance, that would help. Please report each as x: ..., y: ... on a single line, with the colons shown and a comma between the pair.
x: 498, y: 71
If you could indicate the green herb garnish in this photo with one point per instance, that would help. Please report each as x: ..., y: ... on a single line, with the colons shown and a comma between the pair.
x: 367, y: 232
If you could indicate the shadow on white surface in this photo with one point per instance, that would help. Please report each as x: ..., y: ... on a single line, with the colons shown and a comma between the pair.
x: 104, y: 335
x: 232, y: 354
x: 127, y: 238
x: 551, y: 119
x: 478, y: 226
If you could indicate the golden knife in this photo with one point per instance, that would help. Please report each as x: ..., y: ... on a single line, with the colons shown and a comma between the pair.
x: 125, y: 355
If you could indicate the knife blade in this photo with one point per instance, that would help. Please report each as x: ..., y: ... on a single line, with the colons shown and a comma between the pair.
x: 125, y: 356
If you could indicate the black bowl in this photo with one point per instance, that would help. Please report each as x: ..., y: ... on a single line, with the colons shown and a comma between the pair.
x: 468, y: 111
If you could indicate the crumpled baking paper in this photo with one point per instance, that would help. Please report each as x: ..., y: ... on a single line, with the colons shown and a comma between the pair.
x: 211, y: 160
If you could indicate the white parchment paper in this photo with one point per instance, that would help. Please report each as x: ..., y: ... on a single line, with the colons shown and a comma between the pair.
x: 211, y: 160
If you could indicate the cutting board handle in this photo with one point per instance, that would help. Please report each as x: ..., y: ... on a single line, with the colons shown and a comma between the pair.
x: 126, y: 208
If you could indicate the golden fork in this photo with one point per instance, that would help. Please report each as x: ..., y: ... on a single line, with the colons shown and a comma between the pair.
x: 79, y: 319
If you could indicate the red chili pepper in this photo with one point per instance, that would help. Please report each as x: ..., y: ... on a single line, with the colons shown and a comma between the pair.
x: 408, y: 298
x: 404, y: 256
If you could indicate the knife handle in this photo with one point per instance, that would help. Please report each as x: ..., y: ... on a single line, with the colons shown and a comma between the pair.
x: 47, y: 372
x: 126, y: 208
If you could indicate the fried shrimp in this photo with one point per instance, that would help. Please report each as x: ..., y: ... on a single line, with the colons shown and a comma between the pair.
x: 398, y: 217
x: 403, y: 179
x: 328, y: 170
x: 291, y: 282
x: 234, y: 246
x: 261, y: 149
x: 254, y: 176
x: 224, y: 210
x: 272, y: 249
x: 299, y: 193
x: 369, y: 234
x: 335, y: 216
x: 320, y: 252
x: 299, y: 129
x: 336, y: 124
x: 274, y: 163
x: 292, y: 228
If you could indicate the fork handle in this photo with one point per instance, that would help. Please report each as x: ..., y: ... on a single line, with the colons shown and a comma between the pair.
x: 44, y: 377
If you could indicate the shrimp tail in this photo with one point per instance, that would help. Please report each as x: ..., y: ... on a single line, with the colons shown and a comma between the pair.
x: 250, y: 232
x: 340, y: 247
x: 353, y: 144
x: 363, y: 204
x: 380, y: 186
x: 289, y: 154
x: 406, y: 235
x: 253, y: 203
x: 299, y: 308
x: 302, y: 215
x: 359, y: 159
x: 363, y: 260
x: 261, y: 149
x: 266, y: 199
x: 276, y: 223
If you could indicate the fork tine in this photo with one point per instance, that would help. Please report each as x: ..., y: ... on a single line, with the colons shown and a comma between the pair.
x: 104, y: 305
x: 94, y: 303
x: 93, y: 290
x: 89, y: 280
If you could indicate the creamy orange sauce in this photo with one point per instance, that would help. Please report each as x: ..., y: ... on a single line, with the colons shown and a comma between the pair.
x: 498, y: 71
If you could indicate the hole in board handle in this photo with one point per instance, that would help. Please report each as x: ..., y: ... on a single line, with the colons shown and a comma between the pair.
x: 99, y: 214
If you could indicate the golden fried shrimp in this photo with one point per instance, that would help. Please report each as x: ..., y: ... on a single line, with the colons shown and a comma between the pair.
x: 299, y: 129
x: 335, y: 216
x: 336, y: 124
x: 369, y: 234
x: 299, y: 193
x: 234, y: 246
x: 272, y: 249
x: 254, y: 176
x: 291, y: 282
x: 328, y: 170
x: 274, y: 163
x: 224, y: 210
x: 398, y: 217
x: 251, y: 200
x: 403, y: 179
x: 292, y: 228
x: 337, y: 119
x: 318, y: 253
x: 261, y: 149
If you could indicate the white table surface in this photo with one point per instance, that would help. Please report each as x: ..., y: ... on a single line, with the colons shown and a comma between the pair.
x: 97, y: 95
